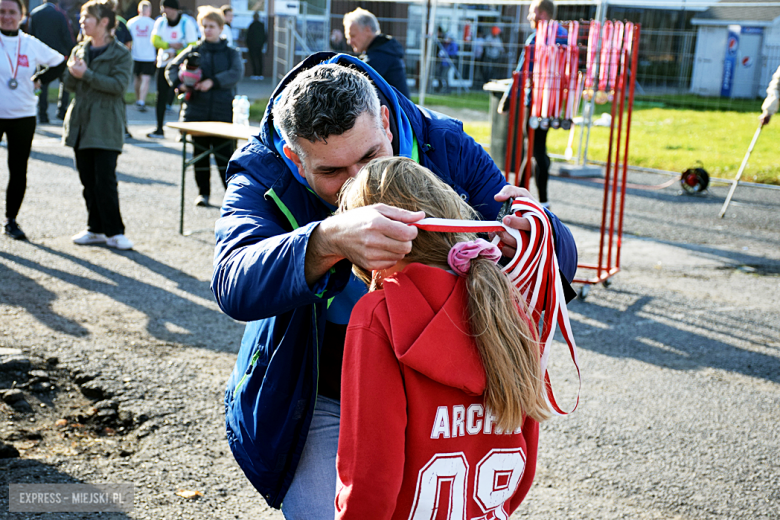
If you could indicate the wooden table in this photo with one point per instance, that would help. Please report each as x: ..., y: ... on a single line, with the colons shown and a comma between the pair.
x: 208, y: 129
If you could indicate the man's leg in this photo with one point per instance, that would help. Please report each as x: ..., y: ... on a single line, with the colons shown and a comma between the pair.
x: 43, y: 104
x: 144, y: 88
x: 203, y: 166
x: 137, y: 87
x: 162, y: 98
x: 222, y: 156
x: 313, y: 490
x: 63, y: 100
x: 542, y: 160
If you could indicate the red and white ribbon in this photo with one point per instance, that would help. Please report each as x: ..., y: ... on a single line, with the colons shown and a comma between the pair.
x: 534, y: 271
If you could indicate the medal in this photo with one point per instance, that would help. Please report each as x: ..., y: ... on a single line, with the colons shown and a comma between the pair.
x: 12, y: 83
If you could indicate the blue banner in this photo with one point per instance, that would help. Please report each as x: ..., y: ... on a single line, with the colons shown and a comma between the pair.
x: 730, y: 62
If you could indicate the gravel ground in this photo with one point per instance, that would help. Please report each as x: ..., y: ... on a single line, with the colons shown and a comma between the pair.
x: 680, y: 355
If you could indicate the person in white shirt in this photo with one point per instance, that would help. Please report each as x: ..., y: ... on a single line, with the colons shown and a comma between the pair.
x: 171, y: 34
x: 227, y: 30
x: 144, y: 53
x: 18, y: 104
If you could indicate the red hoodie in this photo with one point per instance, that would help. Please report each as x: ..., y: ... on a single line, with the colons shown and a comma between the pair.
x: 415, y: 441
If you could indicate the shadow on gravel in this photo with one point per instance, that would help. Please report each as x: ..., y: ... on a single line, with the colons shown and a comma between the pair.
x: 171, y: 318
x: 68, y: 161
x: 760, y: 263
x: 126, y: 177
x: 661, y: 222
x: 31, y: 471
x: 671, y: 333
x: 20, y: 291
x: 671, y: 195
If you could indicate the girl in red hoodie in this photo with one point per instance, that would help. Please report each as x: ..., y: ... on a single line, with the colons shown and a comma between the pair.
x: 442, y: 391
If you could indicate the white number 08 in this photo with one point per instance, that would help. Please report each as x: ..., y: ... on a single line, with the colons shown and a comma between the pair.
x: 495, y: 481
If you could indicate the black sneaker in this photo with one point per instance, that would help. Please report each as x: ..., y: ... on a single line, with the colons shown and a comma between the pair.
x: 157, y: 134
x: 13, y: 230
x: 44, y: 120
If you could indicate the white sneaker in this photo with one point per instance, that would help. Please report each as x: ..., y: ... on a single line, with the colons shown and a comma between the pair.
x: 119, y: 242
x: 202, y: 200
x: 86, y: 238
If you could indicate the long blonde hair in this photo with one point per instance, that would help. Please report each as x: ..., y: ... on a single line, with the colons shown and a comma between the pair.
x: 508, y: 346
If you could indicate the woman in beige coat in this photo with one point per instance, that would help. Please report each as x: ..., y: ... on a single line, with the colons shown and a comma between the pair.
x: 99, y: 71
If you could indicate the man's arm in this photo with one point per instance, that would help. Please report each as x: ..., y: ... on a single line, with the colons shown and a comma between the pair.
x: 261, y: 269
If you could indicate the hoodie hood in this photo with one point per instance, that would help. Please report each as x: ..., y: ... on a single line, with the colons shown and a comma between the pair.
x: 386, y: 45
x: 427, y: 309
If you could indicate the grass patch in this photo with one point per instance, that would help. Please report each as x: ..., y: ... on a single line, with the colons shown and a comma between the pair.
x: 676, y: 139
x: 694, y: 102
x: 257, y: 109
x: 470, y: 100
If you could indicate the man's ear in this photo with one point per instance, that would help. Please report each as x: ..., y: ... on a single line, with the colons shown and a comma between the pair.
x: 290, y: 154
x: 386, y: 121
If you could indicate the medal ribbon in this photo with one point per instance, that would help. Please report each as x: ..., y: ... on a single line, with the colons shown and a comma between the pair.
x: 18, y: 55
x: 534, y: 271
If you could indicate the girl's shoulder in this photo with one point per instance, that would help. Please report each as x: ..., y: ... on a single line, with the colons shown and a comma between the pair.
x: 370, y: 311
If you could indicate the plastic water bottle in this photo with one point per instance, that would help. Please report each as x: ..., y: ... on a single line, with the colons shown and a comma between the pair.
x: 245, y: 112
x: 241, y: 110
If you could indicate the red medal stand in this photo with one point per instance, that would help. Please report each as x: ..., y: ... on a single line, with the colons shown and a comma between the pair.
x: 624, y: 82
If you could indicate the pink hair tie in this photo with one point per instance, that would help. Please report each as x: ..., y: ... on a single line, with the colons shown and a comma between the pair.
x: 462, y: 253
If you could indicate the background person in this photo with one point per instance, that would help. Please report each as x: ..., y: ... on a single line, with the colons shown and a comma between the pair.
x: 143, y: 51
x: 23, y: 54
x: 337, y: 42
x: 99, y: 70
x: 400, y: 398
x: 211, y: 99
x: 538, y: 10
x: 227, y: 30
x: 255, y: 43
x: 448, y: 56
x: 51, y: 25
x: 172, y: 32
x: 382, y: 52
x: 494, y: 53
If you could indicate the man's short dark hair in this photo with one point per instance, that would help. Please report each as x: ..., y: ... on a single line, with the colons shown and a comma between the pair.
x: 323, y: 101
x: 547, y: 6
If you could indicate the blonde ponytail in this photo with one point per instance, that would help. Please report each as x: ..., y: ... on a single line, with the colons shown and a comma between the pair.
x: 497, y: 316
x: 508, y: 346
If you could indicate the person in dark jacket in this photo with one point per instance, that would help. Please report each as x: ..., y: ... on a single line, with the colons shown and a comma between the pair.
x: 382, y: 52
x: 51, y: 25
x: 283, y: 261
x: 255, y: 43
x: 211, y: 98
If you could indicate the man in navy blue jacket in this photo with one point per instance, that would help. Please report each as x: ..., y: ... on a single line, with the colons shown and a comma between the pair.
x: 283, y: 260
x: 382, y: 52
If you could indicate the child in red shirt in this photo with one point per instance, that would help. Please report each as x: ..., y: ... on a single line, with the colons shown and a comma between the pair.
x: 441, y: 389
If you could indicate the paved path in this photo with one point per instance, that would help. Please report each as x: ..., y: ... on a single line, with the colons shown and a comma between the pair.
x: 680, y: 356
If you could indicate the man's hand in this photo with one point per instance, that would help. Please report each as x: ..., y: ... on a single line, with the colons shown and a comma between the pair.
x: 509, y: 244
x: 176, y: 46
x: 373, y: 237
x: 764, y: 118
